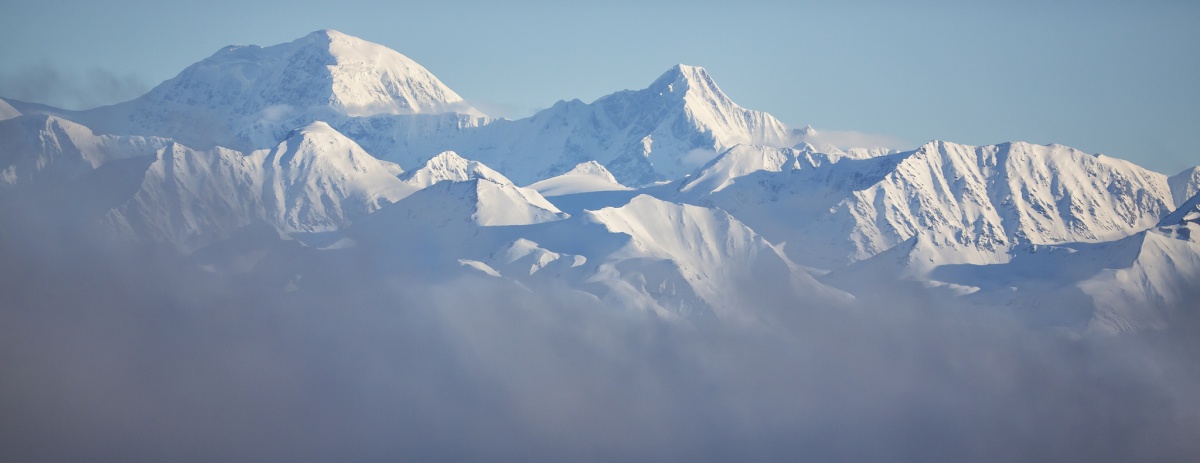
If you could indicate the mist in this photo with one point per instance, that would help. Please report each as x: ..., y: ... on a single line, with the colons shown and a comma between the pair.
x: 68, y: 89
x: 133, y: 353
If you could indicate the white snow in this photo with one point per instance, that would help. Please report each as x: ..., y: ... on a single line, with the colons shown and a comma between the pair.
x: 39, y: 146
x: 308, y: 138
x: 449, y: 166
x: 1185, y: 185
x: 315, y: 180
x: 978, y: 200
x: 641, y: 136
x: 248, y: 97
x: 584, y: 178
x: 7, y: 111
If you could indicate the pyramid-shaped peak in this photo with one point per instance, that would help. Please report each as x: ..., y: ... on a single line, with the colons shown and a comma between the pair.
x: 591, y: 168
x: 683, y: 80
x: 449, y: 166
x: 687, y: 72
x: 334, y: 150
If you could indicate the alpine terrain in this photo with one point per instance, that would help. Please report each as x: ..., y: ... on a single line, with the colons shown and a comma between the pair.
x: 282, y: 223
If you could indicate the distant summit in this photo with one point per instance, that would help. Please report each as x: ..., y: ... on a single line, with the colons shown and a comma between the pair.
x: 249, y: 97
x: 664, y: 131
x: 326, y: 68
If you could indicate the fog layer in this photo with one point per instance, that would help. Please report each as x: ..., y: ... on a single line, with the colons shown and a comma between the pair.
x: 117, y: 353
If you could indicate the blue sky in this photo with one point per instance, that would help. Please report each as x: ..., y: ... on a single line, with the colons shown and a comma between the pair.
x: 1111, y: 77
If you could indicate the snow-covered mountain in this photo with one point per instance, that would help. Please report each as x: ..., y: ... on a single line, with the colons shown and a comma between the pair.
x: 972, y: 203
x: 660, y: 132
x: 449, y: 166
x: 316, y: 180
x: 681, y: 262
x: 247, y: 97
x: 7, y: 111
x: 678, y: 201
x: 1185, y: 184
x: 1148, y: 280
x: 584, y: 178
x: 41, y: 147
x: 479, y: 201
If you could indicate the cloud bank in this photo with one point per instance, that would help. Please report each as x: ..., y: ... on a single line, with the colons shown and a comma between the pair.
x: 47, y: 84
x: 119, y: 354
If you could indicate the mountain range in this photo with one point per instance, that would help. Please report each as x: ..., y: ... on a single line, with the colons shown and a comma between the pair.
x: 670, y: 199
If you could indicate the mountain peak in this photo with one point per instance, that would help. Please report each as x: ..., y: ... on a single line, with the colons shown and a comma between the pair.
x: 324, y: 74
x: 586, y: 177
x: 1185, y: 184
x: 313, y: 127
x: 682, y: 80
x: 369, y: 79
x: 329, y: 34
x: 448, y: 165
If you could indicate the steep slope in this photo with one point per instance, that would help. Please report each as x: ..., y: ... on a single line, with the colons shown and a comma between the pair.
x: 449, y: 166
x: 1187, y: 213
x: 7, y: 111
x: 448, y: 227
x: 719, y: 259
x: 188, y: 198
x: 249, y: 97
x: 680, y: 262
x: 39, y: 147
x: 1145, y: 281
x: 584, y: 178
x: 661, y: 132
x: 981, y: 200
x: 740, y: 161
x: 474, y: 202
x: 1185, y: 184
x: 315, y: 180
x: 1159, y: 285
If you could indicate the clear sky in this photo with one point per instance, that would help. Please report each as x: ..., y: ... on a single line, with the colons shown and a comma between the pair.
x: 1113, y: 77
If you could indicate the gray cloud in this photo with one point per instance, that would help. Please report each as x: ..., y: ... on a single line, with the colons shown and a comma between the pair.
x: 48, y: 84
